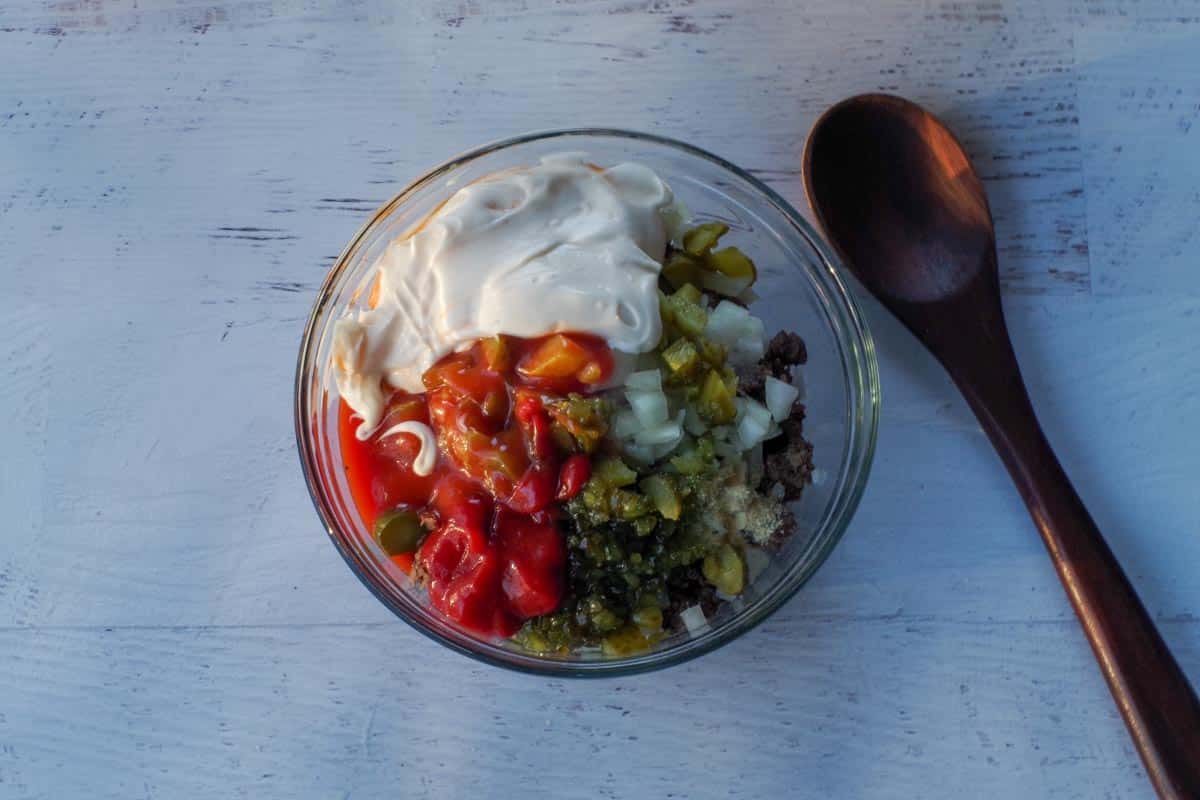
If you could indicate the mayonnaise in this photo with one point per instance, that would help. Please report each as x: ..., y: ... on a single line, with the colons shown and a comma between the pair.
x: 560, y: 246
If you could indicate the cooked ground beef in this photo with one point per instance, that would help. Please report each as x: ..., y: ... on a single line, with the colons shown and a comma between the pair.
x: 788, y: 458
x: 785, y: 351
x: 787, y: 527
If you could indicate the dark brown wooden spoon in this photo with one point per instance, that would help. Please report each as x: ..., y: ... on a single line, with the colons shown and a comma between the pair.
x: 898, y: 197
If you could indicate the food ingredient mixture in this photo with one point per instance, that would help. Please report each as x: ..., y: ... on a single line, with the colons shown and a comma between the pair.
x: 559, y: 416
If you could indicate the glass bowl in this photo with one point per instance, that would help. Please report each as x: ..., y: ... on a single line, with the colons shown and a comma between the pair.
x: 800, y: 288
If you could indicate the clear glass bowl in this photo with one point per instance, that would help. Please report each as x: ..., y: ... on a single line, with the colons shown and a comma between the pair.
x: 800, y: 289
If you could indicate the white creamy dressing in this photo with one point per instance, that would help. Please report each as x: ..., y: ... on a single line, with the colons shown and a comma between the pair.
x: 560, y: 246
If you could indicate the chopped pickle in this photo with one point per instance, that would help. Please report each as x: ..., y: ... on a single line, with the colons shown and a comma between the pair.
x: 689, y: 293
x: 732, y: 263
x: 578, y: 422
x: 628, y: 641
x: 681, y: 270
x: 649, y: 619
x: 399, y: 532
x: 730, y: 378
x: 496, y: 355
x: 715, y: 401
x: 695, y: 460
x: 613, y: 473
x: 662, y: 493
x: 681, y: 358
x: 630, y: 505
x: 558, y: 356
x: 687, y: 315
x: 725, y: 570
x: 714, y: 354
x: 647, y: 536
x: 644, y: 526
x: 702, y: 238
x: 600, y: 617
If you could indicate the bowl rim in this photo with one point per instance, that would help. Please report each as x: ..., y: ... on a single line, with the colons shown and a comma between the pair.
x: 865, y: 418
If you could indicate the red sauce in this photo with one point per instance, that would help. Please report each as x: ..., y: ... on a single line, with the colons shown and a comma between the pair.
x: 495, y: 556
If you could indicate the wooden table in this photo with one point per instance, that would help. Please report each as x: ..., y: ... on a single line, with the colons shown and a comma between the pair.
x: 176, y: 178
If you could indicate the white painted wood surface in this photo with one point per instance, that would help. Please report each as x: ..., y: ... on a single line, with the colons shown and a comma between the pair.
x: 175, y: 178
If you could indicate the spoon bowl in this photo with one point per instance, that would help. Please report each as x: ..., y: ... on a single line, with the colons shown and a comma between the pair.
x: 898, y: 197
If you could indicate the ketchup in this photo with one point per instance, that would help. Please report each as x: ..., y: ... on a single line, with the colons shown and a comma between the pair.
x: 495, y: 556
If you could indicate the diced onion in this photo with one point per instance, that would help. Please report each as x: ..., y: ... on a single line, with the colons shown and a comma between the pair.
x: 733, y: 326
x: 659, y: 451
x: 643, y: 454
x: 751, y: 431
x: 668, y: 432
x: 649, y: 407
x: 726, y: 323
x: 649, y: 380
x: 692, y: 423
x: 625, y: 424
x: 757, y: 411
x: 754, y: 423
x: 694, y: 619
x: 780, y: 396
x: 722, y: 445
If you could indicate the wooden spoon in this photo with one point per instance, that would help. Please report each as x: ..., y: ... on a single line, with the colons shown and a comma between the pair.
x: 900, y: 200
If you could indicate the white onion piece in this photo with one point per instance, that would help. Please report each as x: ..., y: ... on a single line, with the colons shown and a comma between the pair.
x: 733, y: 326
x: 694, y: 619
x: 727, y: 323
x: 649, y: 407
x: 751, y: 431
x: 758, y: 411
x: 625, y: 424
x: 722, y: 445
x: 668, y: 432
x: 692, y: 423
x: 780, y: 396
x: 753, y: 344
x: 660, y: 451
x: 649, y: 380
x: 643, y: 454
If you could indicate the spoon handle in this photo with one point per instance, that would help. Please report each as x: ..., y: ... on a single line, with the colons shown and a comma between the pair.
x: 1152, y: 692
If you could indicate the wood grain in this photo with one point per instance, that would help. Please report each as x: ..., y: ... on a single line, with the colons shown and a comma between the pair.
x: 175, y: 179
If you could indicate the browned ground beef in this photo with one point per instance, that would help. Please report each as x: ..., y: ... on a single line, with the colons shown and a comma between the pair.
x: 788, y: 458
x: 787, y: 462
x: 785, y: 351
